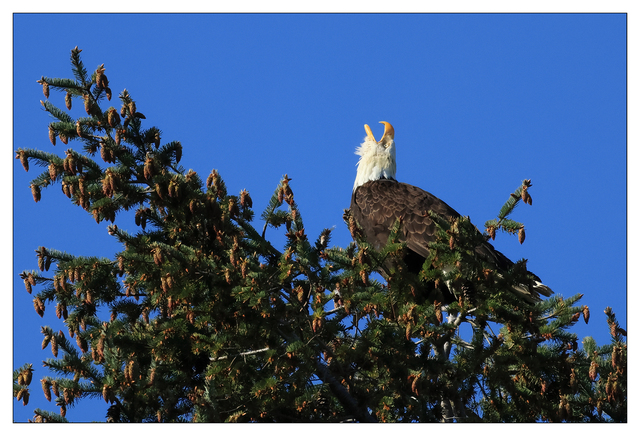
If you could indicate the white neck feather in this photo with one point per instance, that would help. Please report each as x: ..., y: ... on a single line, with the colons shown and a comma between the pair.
x: 377, y: 161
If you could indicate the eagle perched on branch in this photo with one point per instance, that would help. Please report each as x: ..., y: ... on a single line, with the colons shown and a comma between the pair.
x: 379, y: 201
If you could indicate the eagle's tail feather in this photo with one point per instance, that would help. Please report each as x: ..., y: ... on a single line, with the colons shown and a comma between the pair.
x: 532, y: 293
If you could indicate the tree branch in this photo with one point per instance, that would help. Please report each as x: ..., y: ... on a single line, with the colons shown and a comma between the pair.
x: 342, y: 395
x: 246, y: 353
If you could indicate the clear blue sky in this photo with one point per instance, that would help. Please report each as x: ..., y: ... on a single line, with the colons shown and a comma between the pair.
x: 478, y: 102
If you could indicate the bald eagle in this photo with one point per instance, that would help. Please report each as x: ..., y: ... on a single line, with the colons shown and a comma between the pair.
x: 379, y: 201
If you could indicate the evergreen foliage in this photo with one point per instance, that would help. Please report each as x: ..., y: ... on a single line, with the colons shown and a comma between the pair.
x: 207, y: 321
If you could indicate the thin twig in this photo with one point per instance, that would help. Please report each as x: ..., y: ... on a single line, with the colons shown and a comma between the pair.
x: 246, y: 353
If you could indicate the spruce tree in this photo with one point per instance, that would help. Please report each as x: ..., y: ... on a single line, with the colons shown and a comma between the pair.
x: 200, y: 318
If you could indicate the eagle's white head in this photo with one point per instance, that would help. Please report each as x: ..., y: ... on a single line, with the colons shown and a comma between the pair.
x: 377, y: 158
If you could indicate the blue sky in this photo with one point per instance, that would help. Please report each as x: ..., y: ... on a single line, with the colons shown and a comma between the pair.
x: 479, y: 102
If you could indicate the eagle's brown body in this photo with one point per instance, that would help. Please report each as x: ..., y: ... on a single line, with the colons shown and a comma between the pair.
x: 377, y: 205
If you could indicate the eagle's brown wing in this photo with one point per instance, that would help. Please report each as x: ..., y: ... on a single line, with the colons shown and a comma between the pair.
x: 377, y: 205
